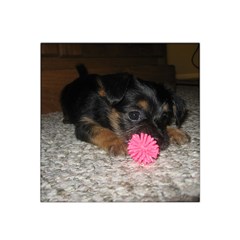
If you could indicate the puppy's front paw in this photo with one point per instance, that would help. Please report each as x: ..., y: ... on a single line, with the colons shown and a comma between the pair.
x: 109, y: 141
x: 178, y: 136
x: 117, y: 147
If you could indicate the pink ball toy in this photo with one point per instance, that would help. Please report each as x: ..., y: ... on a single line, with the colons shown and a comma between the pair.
x: 143, y: 148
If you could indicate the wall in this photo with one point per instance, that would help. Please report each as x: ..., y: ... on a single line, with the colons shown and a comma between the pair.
x: 180, y: 55
x: 58, y: 61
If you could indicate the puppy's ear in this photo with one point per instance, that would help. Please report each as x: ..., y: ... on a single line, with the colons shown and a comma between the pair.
x: 114, y: 86
x: 179, y: 109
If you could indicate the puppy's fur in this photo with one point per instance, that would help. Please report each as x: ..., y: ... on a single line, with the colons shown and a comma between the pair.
x: 107, y: 110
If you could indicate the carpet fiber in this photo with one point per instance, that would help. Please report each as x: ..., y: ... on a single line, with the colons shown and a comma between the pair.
x: 75, y: 171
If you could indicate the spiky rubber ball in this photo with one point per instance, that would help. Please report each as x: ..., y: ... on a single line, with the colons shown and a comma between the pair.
x: 143, y: 148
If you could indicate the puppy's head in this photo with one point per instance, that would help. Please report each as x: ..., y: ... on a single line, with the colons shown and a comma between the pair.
x: 138, y: 106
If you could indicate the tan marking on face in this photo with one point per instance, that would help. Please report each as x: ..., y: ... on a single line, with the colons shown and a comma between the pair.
x: 143, y: 104
x: 165, y: 107
x: 101, y: 90
x: 114, y: 118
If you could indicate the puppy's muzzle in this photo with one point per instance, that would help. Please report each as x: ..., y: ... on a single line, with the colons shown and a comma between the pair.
x: 161, y: 137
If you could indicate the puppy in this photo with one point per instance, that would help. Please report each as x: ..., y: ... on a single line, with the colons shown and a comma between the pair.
x: 107, y: 110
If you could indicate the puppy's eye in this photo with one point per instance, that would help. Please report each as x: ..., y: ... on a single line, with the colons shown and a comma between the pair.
x: 134, y: 115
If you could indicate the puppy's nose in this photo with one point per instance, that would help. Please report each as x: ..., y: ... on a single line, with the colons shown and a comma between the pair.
x: 163, y: 142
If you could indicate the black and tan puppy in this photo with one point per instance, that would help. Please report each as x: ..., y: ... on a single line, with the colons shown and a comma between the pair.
x: 108, y: 110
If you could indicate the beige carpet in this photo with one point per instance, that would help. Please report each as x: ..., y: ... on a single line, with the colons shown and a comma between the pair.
x: 75, y: 171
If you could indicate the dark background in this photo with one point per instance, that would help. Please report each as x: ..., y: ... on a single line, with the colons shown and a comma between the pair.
x: 164, y: 63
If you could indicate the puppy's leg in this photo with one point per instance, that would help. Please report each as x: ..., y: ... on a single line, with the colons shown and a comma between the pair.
x: 90, y: 131
x: 108, y: 140
x: 177, y: 136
